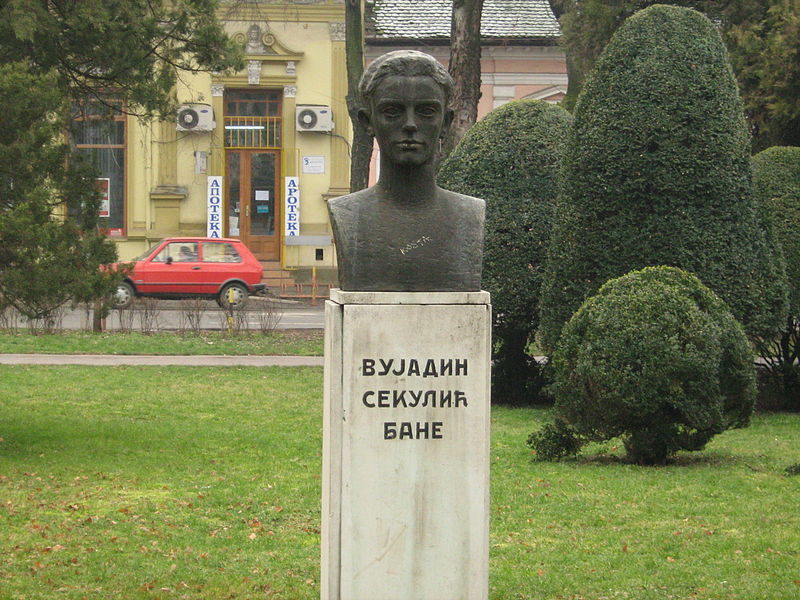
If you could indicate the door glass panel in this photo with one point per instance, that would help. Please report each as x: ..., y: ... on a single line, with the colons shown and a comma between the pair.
x: 262, y: 193
x: 234, y: 186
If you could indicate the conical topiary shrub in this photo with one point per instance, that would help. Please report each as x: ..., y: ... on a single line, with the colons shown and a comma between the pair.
x: 657, y: 172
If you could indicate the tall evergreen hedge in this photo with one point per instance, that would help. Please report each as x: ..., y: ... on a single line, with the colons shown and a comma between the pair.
x: 510, y: 159
x: 657, y: 172
x: 776, y: 179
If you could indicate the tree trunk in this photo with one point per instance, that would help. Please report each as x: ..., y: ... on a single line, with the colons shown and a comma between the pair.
x: 575, y: 75
x: 465, y: 67
x: 97, y: 317
x: 361, y: 152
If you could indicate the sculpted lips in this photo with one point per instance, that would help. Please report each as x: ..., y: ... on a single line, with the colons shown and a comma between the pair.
x: 409, y: 144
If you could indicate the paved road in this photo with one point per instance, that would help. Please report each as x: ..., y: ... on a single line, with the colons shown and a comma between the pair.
x: 103, y: 360
x: 295, y: 315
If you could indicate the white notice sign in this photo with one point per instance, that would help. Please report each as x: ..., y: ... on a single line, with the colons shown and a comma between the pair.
x: 314, y: 164
x: 292, y: 212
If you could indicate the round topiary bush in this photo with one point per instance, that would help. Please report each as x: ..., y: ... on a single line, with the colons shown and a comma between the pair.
x: 657, y: 358
x: 657, y: 172
x: 510, y: 159
x: 776, y: 179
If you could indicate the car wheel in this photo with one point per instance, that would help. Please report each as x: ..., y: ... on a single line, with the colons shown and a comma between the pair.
x: 123, y: 295
x: 233, y: 295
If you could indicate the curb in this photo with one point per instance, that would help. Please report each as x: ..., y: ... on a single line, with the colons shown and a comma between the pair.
x: 106, y: 360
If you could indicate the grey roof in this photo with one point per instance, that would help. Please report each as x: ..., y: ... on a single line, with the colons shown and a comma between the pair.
x: 429, y: 20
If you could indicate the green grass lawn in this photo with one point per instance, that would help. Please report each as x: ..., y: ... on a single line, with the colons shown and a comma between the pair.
x: 189, y: 482
x: 304, y: 342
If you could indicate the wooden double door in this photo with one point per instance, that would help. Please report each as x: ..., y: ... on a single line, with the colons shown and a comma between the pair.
x: 254, y: 205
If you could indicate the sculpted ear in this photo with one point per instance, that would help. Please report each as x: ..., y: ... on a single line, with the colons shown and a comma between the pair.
x: 449, y: 114
x: 364, y: 119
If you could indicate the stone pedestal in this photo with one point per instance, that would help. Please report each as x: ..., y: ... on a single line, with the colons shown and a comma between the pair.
x: 406, y: 446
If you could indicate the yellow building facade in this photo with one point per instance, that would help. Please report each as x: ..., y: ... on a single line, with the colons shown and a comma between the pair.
x: 253, y: 155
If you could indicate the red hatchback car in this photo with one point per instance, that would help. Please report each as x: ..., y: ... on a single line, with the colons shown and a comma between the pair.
x: 185, y: 267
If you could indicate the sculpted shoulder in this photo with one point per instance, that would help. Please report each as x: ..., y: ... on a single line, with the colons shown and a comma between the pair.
x: 468, y: 204
x: 351, y: 201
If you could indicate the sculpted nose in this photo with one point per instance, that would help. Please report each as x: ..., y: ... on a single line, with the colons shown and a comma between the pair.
x: 410, y: 123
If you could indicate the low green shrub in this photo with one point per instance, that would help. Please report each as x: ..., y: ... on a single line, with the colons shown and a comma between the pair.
x: 656, y: 358
x: 554, y: 441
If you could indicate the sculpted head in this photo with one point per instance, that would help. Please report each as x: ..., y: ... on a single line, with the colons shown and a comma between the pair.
x: 405, y: 97
x: 406, y: 63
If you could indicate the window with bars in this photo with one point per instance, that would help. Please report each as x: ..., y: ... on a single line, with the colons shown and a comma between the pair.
x: 252, y: 119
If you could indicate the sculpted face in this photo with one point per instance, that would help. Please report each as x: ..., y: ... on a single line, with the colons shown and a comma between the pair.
x: 408, y: 115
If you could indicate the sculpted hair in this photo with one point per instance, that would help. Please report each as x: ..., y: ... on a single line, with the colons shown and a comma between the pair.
x: 407, y: 63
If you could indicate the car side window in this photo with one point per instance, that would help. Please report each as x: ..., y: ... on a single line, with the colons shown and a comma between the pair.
x: 178, y: 251
x: 220, y: 252
x: 163, y: 255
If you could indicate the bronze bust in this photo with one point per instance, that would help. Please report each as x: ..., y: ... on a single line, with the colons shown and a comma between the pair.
x: 405, y: 233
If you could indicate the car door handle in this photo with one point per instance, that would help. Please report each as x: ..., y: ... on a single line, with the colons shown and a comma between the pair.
x: 195, y: 268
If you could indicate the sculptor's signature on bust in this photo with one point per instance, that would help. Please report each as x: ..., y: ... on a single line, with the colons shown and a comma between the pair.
x: 415, y: 244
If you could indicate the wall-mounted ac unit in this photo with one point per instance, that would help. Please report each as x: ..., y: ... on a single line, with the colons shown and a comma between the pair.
x: 195, y: 117
x: 314, y: 117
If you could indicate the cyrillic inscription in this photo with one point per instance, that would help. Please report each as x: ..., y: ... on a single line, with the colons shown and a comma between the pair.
x: 386, y: 396
x: 407, y: 430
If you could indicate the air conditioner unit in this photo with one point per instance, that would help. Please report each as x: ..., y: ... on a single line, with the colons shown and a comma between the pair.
x: 314, y: 117
x: 195, y: 117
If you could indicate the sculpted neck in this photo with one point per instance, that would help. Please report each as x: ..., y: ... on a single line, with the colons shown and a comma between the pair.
x: 407, y: 185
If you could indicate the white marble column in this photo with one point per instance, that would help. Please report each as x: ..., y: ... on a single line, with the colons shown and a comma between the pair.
x: 406, y: 446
